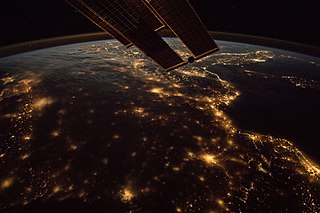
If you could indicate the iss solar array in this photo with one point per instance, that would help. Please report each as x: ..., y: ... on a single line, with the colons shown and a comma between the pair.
x: 136, y: 22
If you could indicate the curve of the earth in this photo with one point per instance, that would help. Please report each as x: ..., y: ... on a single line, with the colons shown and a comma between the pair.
x: 224, y: 168
x: 71, y: 39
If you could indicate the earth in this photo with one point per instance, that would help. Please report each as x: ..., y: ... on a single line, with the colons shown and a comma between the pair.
x: 97, y: 127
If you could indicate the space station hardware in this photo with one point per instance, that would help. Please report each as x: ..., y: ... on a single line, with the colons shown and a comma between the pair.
x: 136, y: 22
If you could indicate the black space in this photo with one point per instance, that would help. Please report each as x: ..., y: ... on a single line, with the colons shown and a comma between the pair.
x: 296, y: 21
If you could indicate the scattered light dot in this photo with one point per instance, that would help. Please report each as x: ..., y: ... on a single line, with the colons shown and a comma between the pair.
x: 105, y: 161
x: 198, y: 138
x: 126, y: 195
x: 201, y: 178
x: 27, y: 137
x: 82, y: 194
x: 116, y: 136
x: 73, y: 147
x: 157, y: 90
x: 6, y: 183
x: 230, y: 142
x: 41, y: 103
x: 190, y: 154
x: 220, y: 202
x: 55, y: 133
x: 71, y: 187
x: 209, y: 159
x: 25, y: 156
x: 56, y: 189
x: 145, y: 190
x: 67, y: 167
x: 176, y: 169
x: 28, y: 189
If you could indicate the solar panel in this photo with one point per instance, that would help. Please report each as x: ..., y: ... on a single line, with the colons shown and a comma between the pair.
x: 153, y: 21
x: 122, y: 17
x: 98, y: 20
x: 136, y: 22
x: 182, y: 19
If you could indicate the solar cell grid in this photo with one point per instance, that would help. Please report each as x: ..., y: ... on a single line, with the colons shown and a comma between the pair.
x: 135, y: 21
x: 185, y: 24
x: 98, y: 20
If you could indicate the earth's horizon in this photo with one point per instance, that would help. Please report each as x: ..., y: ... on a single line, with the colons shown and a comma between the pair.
x: 97, y: 126
x: 27, y: 46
